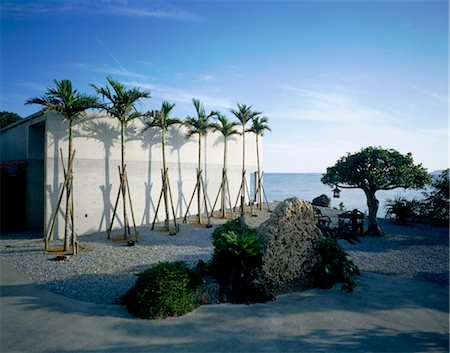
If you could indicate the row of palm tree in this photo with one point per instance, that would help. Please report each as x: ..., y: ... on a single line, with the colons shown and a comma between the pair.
x: 120, y: 102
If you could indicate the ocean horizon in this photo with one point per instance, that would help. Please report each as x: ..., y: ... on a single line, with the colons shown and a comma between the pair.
x: 307, y: 186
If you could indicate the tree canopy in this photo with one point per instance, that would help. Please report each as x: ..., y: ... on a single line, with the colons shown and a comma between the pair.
x: 7, y: 118
x: 373, y: 169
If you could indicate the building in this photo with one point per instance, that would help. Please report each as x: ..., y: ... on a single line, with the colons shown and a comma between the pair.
x: 32, y: 172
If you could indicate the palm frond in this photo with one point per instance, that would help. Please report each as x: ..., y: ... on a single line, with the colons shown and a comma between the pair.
x: 65, y: 100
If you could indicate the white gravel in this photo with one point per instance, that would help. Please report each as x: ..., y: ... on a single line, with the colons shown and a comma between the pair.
x: 106, y: 269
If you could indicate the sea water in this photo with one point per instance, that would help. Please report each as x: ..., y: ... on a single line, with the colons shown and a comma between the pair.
x: 307, y: 186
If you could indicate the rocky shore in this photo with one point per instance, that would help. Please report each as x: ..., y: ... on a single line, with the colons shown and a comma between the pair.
x: 106, y: 269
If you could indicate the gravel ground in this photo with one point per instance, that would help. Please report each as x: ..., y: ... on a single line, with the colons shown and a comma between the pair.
x: 106, y: 269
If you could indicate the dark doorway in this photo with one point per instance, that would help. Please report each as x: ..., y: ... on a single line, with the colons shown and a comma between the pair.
x: 13, y: 196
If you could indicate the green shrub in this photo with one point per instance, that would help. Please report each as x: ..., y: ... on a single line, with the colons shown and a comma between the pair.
x: 401, y: 209
x: 322, y: 200
x: 334, y: 266
x: 167, y: 289
x: 435, y: 206
x: 236, y: 261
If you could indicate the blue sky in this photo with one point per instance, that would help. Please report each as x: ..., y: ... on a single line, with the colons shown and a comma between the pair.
x: 332, y: 76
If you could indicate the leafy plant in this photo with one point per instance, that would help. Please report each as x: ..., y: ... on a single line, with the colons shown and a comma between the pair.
x: 334, y: 267
x: 236, y: 262
x: 167, y: 289
x: 401, y: 209
x: 322, y: 200
x: 435, y: 206
x: 341, y: 206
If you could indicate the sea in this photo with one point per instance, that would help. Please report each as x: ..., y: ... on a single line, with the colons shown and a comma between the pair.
x: 307, y: 186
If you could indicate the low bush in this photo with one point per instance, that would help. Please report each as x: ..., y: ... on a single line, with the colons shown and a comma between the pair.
x: 167, y: 289
x: 322, y: 200
x: 334, y: 266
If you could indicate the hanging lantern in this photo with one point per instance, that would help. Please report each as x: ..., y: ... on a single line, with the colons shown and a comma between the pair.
x: 336, y: 192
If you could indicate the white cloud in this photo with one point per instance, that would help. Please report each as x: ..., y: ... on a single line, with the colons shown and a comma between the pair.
x: 87, y: 7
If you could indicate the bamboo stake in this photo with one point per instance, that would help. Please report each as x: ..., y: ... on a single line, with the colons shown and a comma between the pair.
x: 61, y: 194
x: 157, y: 209
x: 171, y: 202
x: 136, y: 233
x: 218, y: 194
x: 206, y: 203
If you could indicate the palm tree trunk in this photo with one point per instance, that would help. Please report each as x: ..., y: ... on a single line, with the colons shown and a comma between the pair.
x: 224, y: 184
x: 199, y: 217
x: 122, y: 185
x: 259, y: 194
x: 165, y: 180
x: 68, y: 190
x: 243, y: 161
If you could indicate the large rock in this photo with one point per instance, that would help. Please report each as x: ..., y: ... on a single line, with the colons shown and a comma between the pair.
x: 290, y: 237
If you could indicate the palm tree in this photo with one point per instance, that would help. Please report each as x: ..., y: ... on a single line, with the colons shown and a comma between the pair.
x: 120, y: 104
x: 161, y: 119
x: 259, y: 125
x: 71, y: 105
x: 244, y: 114
x: 199, y: 125
x: 227, y: 128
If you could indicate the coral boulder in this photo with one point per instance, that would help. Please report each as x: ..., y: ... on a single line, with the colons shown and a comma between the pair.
x: 290, y: 238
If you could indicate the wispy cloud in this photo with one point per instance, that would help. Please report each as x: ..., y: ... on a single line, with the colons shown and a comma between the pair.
x: 32, y: 86
x: 184, y: 95
x: 434, y: 95
x: 109, y: 70
x: 99, y: 7
x: 327, y: 106
x: 207, y: 77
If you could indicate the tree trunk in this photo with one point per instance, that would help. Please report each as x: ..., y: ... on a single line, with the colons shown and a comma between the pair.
x: 258, y: 196
x: 199, y: 198
x: 372, y: 204
x: 243, y: 162
x: 224, y: 184
x: 68, y: 190
x: 124, y: 190
x: 165, y: 179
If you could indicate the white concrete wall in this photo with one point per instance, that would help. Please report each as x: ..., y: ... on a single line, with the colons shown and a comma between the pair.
x: 96, y: 177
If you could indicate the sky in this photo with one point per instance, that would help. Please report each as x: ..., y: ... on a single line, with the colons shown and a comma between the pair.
x: 332, y: 76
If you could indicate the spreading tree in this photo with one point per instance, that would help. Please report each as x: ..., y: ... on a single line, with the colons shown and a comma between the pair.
x: 373, y: 169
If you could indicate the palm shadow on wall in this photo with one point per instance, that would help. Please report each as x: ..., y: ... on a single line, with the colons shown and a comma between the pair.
x: 176, y: 140
x: 107, y: 135
x: 148, y: 138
